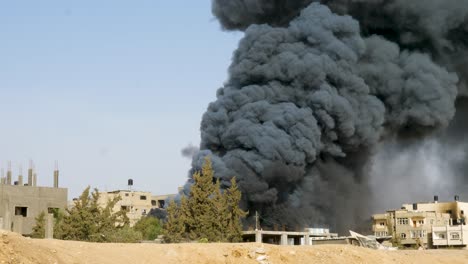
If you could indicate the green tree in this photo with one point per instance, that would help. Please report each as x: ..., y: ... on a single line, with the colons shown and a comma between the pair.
x: 201, y: 205
x: 79, y: 221
x: 123, y: 234
x: 88, y: 221
x: 208, y: 213
x: 175, y: 227
x: 39, y: 228
x: 58, y: 220
x: 149, y: 227
x: 233, y: 213
x: 220, y: 217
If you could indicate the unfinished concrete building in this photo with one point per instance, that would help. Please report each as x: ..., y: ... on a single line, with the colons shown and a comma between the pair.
x: 21, y: 203
x: 430, y: 224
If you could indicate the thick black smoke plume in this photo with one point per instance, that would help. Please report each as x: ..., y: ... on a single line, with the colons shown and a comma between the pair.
x: 311, y: 94
x: 242, y: 13
x: 438, y: 27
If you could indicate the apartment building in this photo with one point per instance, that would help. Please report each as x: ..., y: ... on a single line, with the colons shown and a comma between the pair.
x: 137, y: 204
x: 429, y: 224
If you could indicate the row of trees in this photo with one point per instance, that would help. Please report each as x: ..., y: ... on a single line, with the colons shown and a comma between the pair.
x: 89, y: 221
x: 206, y: 214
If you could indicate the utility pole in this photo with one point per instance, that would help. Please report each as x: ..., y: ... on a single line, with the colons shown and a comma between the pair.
x: 256, y: 220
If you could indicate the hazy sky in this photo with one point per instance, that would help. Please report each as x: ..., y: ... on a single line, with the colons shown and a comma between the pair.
x: 111, y: 89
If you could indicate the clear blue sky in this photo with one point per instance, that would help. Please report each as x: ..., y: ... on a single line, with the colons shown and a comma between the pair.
x: 112, y: 89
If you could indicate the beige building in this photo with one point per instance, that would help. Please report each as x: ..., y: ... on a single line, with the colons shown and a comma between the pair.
x: 450, y: 236
x: 136, y: 203
x: 424, y: 223
x: 21, y: 203
x: 159, y: 201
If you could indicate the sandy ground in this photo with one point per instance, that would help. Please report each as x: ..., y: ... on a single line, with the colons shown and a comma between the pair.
x: 17, y: 249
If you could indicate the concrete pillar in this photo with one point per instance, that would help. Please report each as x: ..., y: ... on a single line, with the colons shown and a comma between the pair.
x: 8, y: 178
x: 7, y: 221
x: 20, y: 180
x: 307, y: 240
x: 56, y: 179
x: 49, y: 227
x: 2, y: 180
x: 30, y: 177
x: 284, y: 239
x: 18, y: 224
x: 1, y: 223
x: 34, y: 181
x: 258, y: 236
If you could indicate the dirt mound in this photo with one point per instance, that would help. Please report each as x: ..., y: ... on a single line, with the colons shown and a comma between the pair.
x: 17, y: 249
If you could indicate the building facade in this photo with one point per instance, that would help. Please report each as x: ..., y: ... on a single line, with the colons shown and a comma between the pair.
x: 136, y: 204
x: 21, y: 203
x: 425, y: 224
x: 450, y: 236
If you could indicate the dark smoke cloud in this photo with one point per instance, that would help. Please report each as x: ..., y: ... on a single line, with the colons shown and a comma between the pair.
x: 239, y: 14
x: 305, y: 106
x: 438, y: 27
x: 189, y: 151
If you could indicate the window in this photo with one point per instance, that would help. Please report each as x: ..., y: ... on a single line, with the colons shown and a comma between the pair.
x: 382, y: 223
x: 421, y: 222
x: 19, y: 210
x: 418, y: 233
x: 455, y: 236
x: 161, y: 203
x: 449, y: 211
x: 403, y: 235
x: 124, y: 208
x: 381, y: 234
x: 153, y: 202
x: 461, y: 212
x: 439, y: 235
x: 142, y: 197
x: 402, y: 221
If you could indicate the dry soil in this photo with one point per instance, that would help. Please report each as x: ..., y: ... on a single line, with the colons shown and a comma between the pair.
x: 17, y: 249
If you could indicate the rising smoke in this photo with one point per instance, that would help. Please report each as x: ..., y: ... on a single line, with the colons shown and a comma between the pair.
x: 312, y: 97
x: 189, y: 151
